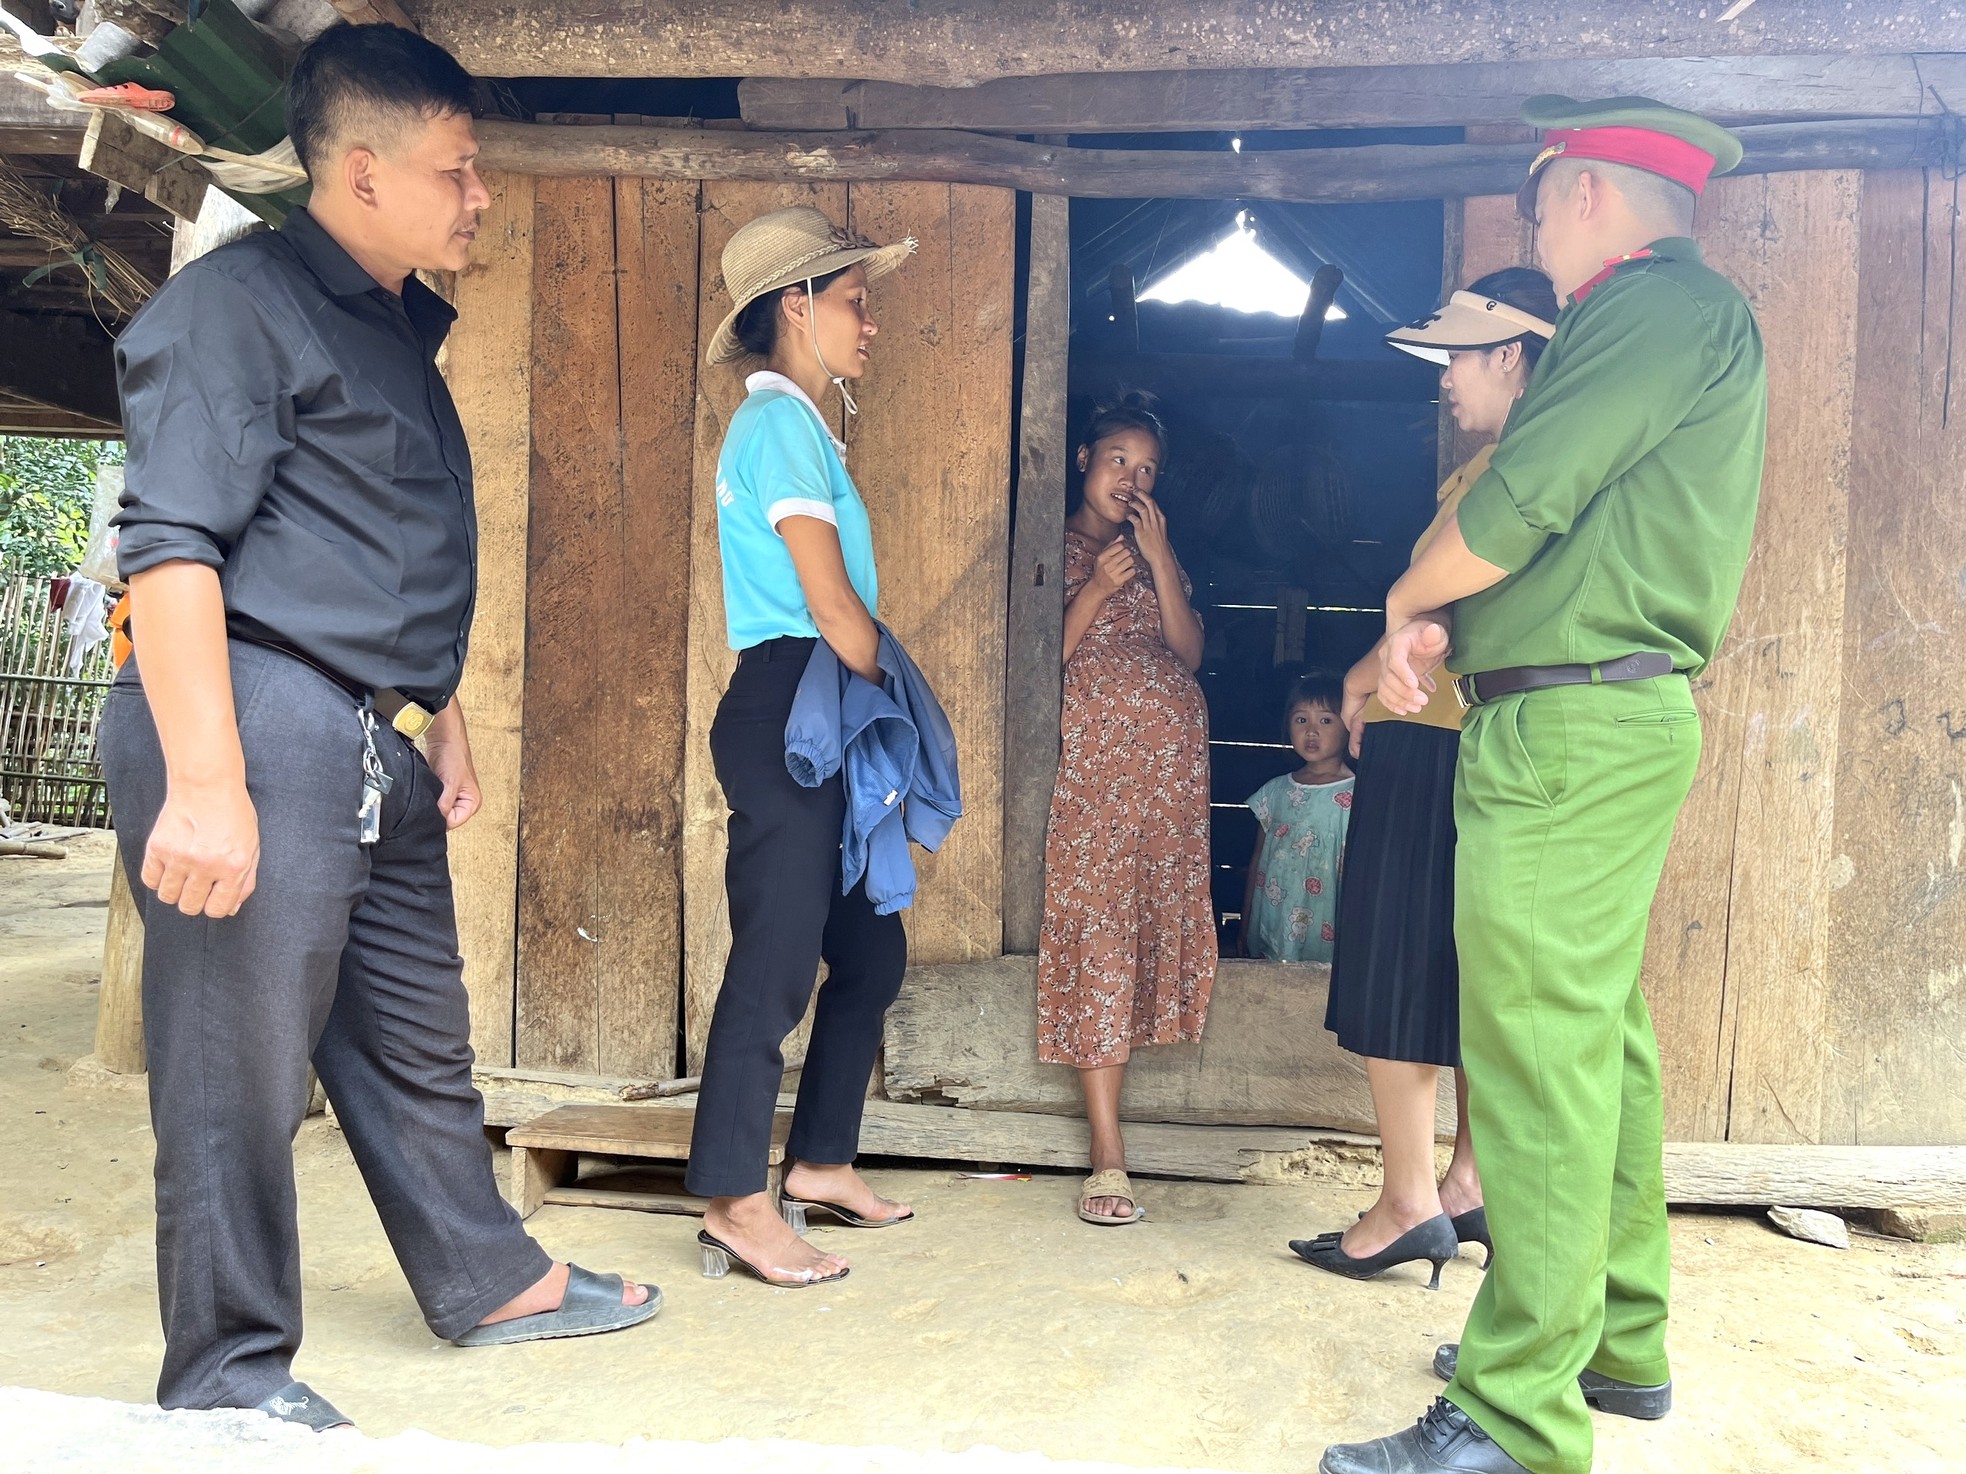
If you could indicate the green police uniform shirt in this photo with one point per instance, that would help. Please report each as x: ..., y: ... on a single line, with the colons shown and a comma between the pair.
x: 1622, y: 495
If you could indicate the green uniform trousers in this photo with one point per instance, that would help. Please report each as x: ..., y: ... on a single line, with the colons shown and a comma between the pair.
x: 1565, y: 801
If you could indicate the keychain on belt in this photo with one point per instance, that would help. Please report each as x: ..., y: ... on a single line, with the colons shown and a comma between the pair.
x: 375, y: 782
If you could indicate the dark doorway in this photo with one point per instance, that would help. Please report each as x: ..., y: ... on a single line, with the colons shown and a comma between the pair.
x: 1304, y: 456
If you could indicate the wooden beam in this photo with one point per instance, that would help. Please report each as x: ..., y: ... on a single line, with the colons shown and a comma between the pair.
x: 962, y: 45
x: 1033, y: 692
x: 1922, y: 1180
x: 66, y: 361
x: 375, y: 12
x: 24, y: 417
x: 29, y: 124
x: 961, y: 1035
x: 488, y: 364
x: 1378, y: 172
x: 119, y: 1010
x: 1394, y: 380
x: 1325, y: 282
x: 1728, y: 89
x: 1927, y: 1177
x: 114, y: 150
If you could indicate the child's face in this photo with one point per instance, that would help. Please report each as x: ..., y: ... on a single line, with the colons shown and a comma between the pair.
x: 1316, y: 732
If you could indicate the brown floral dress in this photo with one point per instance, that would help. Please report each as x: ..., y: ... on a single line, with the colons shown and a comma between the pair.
x: 1127, y: 954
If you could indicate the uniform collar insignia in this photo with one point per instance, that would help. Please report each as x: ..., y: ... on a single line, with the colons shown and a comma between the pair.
x: 1610, y: 270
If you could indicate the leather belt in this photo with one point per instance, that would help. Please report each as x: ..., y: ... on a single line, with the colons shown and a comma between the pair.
x: 1488, y: 685
x: 405, y: 715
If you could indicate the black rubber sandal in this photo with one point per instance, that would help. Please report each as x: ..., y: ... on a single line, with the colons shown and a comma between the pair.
x: 591, y: 1307
x: 298, y: 1403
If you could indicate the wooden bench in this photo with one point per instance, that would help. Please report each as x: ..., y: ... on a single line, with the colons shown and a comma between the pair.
x: 546, y: 1153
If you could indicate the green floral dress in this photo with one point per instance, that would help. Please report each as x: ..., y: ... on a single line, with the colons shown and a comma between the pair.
x: 1294, y: 912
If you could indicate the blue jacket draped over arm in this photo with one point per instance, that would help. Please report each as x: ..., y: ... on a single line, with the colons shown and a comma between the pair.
x: 894, y: 747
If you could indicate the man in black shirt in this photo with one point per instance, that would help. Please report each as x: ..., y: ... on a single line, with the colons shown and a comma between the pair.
x: 299, y: 539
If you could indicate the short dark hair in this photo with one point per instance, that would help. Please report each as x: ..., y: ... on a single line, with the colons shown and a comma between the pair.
x: 1525, y: 288
x: 1134, y: 410
x: 350, y: 70
x: 1314, y: 688
x: 757, y: 325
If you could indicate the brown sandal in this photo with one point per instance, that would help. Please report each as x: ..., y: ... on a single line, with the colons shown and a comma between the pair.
x: 1109, y: 1183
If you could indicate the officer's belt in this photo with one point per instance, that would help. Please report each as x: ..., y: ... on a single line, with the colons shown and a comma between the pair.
x: 390, y: 704
x: 1488, y: 685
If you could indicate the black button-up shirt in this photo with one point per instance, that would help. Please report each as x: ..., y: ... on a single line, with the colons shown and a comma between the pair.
x: 287, y: 426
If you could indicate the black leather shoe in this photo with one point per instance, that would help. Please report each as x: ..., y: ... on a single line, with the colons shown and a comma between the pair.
x: 1606, y: 1394
x: 1445, y: 1441
x: 298, y: 1403
x: 1471, y: 1227
x: 1433, y: 1241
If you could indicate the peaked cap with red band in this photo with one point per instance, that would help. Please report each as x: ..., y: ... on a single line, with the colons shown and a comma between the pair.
x: 1671, y: 142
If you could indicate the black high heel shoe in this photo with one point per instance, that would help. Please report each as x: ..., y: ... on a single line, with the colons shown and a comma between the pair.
x: 1433, y: 1241
x: 1471, y: 1227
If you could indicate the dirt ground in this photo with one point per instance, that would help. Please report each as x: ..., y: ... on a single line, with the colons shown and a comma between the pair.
x: 1193, y: 1341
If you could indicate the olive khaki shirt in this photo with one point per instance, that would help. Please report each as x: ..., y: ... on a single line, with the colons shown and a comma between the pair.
x: 1442, y: 709
x: 1621, y: 498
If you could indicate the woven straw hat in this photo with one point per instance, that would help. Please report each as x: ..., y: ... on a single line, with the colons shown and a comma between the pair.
x: 788, y: 246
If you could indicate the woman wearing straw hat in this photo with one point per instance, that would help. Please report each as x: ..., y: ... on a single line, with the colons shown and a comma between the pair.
x: 1395, y: 983
x: 798, y: 563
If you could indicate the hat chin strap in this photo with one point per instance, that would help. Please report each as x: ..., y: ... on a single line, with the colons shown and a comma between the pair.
x: 812, y: 330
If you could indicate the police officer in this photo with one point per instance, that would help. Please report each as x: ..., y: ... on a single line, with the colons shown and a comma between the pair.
x: 299, y: 539
x: 1593, y: 570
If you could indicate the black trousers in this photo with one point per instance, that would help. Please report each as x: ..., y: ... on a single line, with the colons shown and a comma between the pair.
x: 786, y: 917
x: 345, y: 954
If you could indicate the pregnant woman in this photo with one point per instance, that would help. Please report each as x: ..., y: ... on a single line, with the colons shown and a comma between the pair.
x: 1126, y: 957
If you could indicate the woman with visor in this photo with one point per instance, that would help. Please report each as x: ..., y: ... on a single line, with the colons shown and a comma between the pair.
x: 1395, y: 984
x: 798, y: 567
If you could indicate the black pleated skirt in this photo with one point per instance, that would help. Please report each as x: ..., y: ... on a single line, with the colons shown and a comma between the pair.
x: 1395, y: 981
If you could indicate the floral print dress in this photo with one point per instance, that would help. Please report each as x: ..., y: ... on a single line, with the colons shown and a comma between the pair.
x: 1127, y: 954
x: 1294, y: 907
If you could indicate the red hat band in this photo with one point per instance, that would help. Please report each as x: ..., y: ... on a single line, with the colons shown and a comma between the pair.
x: 1642, y: 148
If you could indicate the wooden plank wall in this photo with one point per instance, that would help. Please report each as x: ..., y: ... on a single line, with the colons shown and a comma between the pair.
x: 1803, y: 963
x: 488, y: 364
x: 613, y: 351
x: 930, y: 454
x: 1896, y: 1009
x: 1790, y: 242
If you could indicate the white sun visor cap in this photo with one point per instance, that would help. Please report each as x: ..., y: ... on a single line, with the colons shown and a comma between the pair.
x: 1467, y: 322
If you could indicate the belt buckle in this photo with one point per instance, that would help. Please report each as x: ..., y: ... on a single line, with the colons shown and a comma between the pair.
x: 1464, y: 693
x: 412, y: 720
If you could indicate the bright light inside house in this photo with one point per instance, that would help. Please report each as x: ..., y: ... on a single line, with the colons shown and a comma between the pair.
x: 1241, y: 275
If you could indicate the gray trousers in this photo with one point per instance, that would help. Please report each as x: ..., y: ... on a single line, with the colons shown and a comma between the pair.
x: 345, y: 955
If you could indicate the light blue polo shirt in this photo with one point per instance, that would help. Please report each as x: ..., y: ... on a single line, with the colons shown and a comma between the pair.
x: 780, y: 460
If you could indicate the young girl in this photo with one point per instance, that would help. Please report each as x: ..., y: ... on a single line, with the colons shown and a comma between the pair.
x: 1290, y: 910
x: 1126, y: 957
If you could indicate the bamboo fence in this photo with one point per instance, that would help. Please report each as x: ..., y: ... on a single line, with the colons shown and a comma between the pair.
x: 50, y: 772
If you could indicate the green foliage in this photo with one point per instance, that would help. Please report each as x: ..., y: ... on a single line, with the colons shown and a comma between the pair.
x: 47, y: 491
